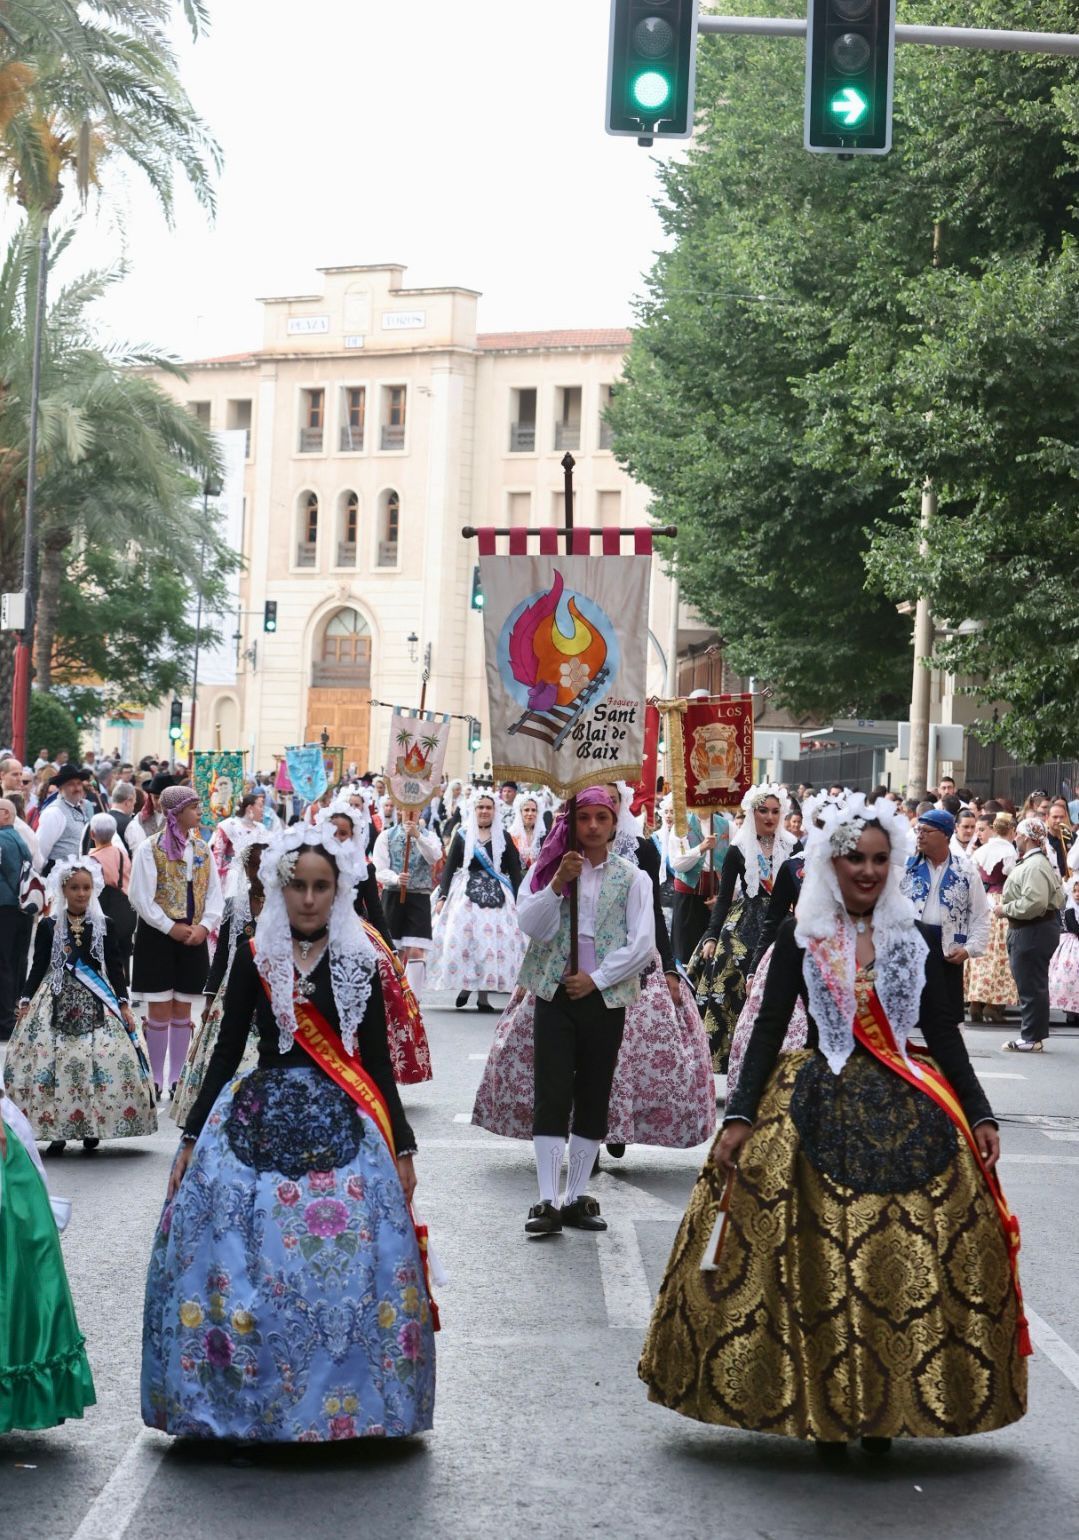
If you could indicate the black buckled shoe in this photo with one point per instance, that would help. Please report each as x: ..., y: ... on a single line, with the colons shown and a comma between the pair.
x: 616, y: 1151
x: 57, y: 1147
x: 544, y: 1219
x: 583, y: 1214
x: 877, y: 1447
x: 90, y: 1145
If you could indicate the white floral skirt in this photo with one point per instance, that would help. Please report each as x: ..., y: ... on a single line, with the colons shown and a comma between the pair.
x: 1064, y: 974
x: 475, y: 948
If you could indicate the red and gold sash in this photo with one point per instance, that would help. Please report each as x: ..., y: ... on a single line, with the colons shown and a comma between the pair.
x: 323, y: 1044
x: 873, y: 1030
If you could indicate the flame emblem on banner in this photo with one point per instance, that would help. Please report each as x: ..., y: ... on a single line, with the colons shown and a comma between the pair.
x: 554, y: 664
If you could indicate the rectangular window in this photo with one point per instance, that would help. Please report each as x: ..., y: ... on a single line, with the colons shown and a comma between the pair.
x: 567, y: 428
x: 200, y: 410
x: 312, y: 415
x: 609, y: 509
x: 606, y: 432
x: 238, y: 419
x: 352, y: 519
x: 522, y: 421
x: 394, y: 404
x: 519, y: 508
x: 354, y: 418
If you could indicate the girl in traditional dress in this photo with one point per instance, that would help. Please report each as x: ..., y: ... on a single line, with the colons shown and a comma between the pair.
x: 663, y: 1092
x: 286, y: 1299
x: 477, y: 943
x: 76, y: 1064
x: 243, y: 905
x: 863, y: 1284
x: 1064, y: 964
x: 989, y: 985
x: 526, y: 829
x: 44, y: 1375
x: 721, y: 965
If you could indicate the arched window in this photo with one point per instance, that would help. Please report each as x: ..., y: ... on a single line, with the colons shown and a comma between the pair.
x: 307, y: 529
x: 389, y: 528
x: 343, y: 656
x: 348, y: 528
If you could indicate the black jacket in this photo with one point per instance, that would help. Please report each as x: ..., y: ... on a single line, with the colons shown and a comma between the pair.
x: 114, y: 962
x: 245, y: 997
x: 936, y: 1028
x: 648, y: 861
x: 511, y: 863
x: 785, y: 891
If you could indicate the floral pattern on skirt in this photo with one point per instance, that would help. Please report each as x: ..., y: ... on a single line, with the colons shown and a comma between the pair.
x: 988, y: 979
x: 1064, y: 974
x: 474, y: 948
x: 287, y: 1308
x: 720, y: 984
x: 73, y: 1070
x: 663, y: 1092
x: 796, y: 1032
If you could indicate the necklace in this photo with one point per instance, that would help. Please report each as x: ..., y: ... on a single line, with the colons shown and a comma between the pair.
x: 861, y: 921
x: 74, y: 925
x: 305, y: 943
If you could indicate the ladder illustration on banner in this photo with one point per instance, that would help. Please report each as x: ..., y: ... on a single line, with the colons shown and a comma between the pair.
x: 554, y: 726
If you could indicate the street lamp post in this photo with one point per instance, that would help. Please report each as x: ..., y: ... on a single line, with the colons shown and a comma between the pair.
x: 211, y: 487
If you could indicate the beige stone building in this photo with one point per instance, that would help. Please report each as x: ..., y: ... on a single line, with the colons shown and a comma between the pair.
x: 374, y: 422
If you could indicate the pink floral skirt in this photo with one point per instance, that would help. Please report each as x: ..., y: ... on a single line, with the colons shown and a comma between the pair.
x: 796, y: 1032
x: 1064, y: 974
x: 663, y: 1091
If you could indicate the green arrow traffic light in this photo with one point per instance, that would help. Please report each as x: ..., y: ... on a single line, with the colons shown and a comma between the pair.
x: 849, y: 106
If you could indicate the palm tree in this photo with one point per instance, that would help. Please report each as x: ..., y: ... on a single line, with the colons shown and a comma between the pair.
x: 429, y: 743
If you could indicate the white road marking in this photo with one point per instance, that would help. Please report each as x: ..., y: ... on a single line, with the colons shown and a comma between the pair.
x: 1060, y: 1135
x: 986, y: 1074
x: 1040, y: 1160
x: 1054, y: 1347
x: 479, y: 1058
x: 462, y: 1117
x: 112, y: 1510
x: 625, y: 1282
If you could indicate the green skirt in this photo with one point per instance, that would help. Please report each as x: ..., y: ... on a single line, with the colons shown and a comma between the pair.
x: 44, y: 1375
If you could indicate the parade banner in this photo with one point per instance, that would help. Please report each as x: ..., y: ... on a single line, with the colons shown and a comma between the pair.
x: 281, y: 781
x: 219, y: 781
x: 566, y: 642
x: 307, y: 770
x: 710, y: 753
x: 416, y: 756
x: 646, y: 792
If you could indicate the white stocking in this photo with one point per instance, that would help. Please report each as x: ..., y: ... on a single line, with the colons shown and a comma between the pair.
x: 415, y: 973
x: 582, y: 1157
x: 549, y: 1151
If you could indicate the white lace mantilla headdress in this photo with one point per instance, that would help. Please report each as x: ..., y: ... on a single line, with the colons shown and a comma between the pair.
x: 352, y: 957
x: 54, y: 894
x: 628, y: 831
x: 746, y: 838
x: 825, y: 929
x: 471, y: 831
x: 527, y: 844
x: 351, y: 851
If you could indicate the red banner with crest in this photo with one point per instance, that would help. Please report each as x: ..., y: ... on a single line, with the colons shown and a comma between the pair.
x: 710, y: 753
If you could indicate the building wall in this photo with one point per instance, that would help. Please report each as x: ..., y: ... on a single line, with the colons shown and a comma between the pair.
x: 454, y: 465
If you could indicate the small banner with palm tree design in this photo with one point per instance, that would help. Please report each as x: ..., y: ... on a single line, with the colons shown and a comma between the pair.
x: 417, y: 755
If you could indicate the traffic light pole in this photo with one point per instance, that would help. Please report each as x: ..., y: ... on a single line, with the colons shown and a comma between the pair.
x: 986, y: 38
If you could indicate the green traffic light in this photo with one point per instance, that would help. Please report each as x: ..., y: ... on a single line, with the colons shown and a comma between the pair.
x: 651, y: 90
x: 850, y: 106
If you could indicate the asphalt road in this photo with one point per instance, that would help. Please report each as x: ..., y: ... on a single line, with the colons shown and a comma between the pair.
x: 542, y: 1427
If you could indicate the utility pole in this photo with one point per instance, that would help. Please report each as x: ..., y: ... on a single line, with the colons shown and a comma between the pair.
x: 920, y: 693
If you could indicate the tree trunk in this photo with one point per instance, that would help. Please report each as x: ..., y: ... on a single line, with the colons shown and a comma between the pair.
x: 54, y: 548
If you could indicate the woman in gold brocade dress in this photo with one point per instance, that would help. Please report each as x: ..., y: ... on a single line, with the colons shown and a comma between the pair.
x: 864, y: 1283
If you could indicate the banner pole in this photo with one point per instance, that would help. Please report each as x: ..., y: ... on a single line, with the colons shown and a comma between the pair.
x: 568, y: 463
x: 402, y: 887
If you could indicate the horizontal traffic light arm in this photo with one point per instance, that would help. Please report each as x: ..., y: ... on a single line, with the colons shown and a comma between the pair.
x: 987, y: 38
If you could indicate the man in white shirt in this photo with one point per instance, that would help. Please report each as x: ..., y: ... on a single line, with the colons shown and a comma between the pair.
x: 949, y: 899
x: 406, y: 900
x: 61, y: 829
x: 580, y: 1013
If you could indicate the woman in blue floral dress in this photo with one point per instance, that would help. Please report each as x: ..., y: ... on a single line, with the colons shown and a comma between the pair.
x: 286, y: 1299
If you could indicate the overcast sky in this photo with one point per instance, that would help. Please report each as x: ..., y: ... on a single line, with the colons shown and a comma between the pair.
x: 462, y: 138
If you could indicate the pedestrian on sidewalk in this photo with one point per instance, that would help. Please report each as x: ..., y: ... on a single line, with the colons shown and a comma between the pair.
x: 1032, y: 900
x: 580, y: 1017
x: 287, y: 1297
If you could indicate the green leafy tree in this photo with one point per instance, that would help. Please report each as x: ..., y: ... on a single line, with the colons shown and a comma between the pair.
x: 823, y: 337
x: 52, y: 727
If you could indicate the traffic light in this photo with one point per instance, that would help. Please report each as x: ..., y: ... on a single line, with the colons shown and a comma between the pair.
x: 651, y: 72
x: 850, y: 58
x: 269, y: 615
x: 473, y: 735
x: 176, y: 720
x: 477, y: 589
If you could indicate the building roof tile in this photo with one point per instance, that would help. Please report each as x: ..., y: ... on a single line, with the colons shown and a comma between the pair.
x: 512, y: 342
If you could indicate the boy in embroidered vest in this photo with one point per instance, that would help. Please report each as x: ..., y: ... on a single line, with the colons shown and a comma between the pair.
x: 176, y: 893
x: 579, y: 1016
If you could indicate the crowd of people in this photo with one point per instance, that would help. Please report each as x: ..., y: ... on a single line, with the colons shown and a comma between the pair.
x: 261, y: 979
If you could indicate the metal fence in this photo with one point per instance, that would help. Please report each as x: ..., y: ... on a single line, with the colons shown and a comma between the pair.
x: 845, y: 766
x: 993, y: 772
